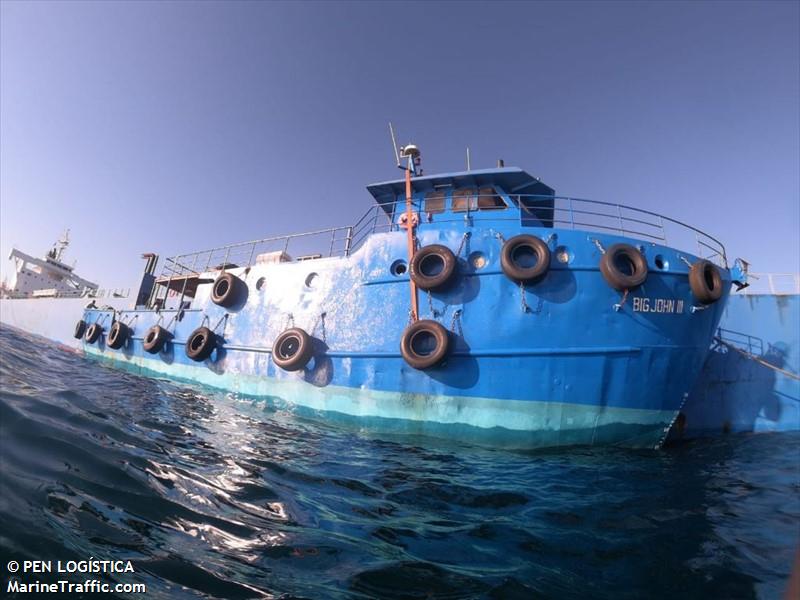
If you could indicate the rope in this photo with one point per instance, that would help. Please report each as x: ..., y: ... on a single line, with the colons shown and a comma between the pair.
x: 758, y: 359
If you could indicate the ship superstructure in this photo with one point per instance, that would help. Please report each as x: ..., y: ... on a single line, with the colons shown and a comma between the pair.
x: 45, y: 277
x: 41, y: 293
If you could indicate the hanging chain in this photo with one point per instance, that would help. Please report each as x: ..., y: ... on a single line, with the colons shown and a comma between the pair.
x: 410, y: 316
x: 464, y: 239
x: 434, y: 312
x: 525, y: 307
x: 598, y: 244
x: 456, y: 321
x: 289, y: 320
x: 500, y: 237
x: 223, y: 318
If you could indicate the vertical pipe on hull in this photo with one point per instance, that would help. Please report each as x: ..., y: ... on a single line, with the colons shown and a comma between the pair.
x: 410, y: 236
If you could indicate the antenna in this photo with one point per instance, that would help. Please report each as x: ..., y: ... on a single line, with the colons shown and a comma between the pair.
x: 468, y: 166
x: 394, y: 144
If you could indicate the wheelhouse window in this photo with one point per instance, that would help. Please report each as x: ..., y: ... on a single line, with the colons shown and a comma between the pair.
x: 484, y: 199
x: 488, y: 199
x: 434, y: 202
x: 463, y: 200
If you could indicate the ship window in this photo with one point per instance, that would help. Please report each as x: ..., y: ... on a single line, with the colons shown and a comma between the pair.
x: 463, y: 200
x: 488, y: 199
x: 434, y: 202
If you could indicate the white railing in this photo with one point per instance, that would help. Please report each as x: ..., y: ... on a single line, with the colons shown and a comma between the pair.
x: 781, y: 284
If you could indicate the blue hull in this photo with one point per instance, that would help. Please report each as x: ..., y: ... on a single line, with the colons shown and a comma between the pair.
x: 567, y: 360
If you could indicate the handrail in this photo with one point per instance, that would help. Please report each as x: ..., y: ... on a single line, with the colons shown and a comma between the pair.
x: 776, y: 284
x: 83, y: 293
x: 534, y: 210
x: 335, y: 241
x: 750, y: 343
x: 718, y: 248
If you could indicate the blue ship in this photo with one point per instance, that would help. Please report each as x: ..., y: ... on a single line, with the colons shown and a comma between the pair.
x: 473, y: 305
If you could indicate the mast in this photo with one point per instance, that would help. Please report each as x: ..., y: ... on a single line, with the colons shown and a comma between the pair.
x: 62, y: 245
x: 412, y: 154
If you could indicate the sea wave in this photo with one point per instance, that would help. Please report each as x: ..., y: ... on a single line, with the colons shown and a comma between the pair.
x: 214, y: 495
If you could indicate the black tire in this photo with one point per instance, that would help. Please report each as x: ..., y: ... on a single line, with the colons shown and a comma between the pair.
x: 705, y: 281
x: 228, y: 290
x: 155, y: 338
x: 515, y: 255
x: 201, y: 344
x: 424, y: 344
x: 80, y: 329
x: 93, y: 333
x: 292, y: 349
x: 117, y: 335
x: 433, y: 267
x: 623, y: 267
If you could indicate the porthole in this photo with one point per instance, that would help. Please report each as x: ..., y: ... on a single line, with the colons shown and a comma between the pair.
x: 478, y: 260
x: 260, y: 283
x: 311, y: 280
x: 399, y: 267
x: 660, y: 262
x: 564, y: 255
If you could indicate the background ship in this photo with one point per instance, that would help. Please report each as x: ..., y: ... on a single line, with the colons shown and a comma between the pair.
x: 751, y: 378
x: 41, y: 292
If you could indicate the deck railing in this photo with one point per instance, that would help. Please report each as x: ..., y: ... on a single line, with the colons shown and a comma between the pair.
x: 334, y: 241
x: 750, y: 344
x: 85, y: 293
x: 781, y: 284
x: 608, y: 217
x: 548, y: 211
x: 578, y: 213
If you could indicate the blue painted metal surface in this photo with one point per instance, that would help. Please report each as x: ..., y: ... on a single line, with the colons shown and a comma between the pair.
x: 567, y: 360
x: 749, y: 381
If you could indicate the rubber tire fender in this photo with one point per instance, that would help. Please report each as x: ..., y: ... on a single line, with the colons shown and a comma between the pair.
x: 431, y: 253
x: 200, y: 344
x: 441, y: 344
x: 705, y: 281
x: 525, y: 274
x: 614, y: 276
x: 80, y: 329
x: 227, y: 290
x: 117, y: 335
x: 93, y: 333
x: 292, y: 349
x: 154, y: 339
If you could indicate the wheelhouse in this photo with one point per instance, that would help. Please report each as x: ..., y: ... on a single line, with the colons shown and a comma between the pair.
x: 500, y: 194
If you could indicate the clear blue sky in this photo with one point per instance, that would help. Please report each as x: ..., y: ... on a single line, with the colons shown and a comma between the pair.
x: 173, y: 127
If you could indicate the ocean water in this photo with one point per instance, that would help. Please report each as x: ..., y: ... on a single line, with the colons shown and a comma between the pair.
x: 210, y: 495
